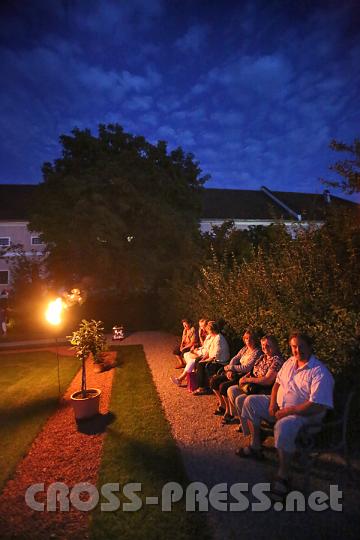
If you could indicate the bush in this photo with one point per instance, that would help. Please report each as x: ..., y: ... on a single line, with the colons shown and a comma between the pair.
x: 308, y: 281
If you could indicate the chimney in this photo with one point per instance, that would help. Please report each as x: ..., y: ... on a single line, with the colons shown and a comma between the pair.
x: 327, y: 196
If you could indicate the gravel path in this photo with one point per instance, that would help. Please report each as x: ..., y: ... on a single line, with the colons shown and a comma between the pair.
x: 60, y: 453
x: 206, y: 446
x: 207, y: 450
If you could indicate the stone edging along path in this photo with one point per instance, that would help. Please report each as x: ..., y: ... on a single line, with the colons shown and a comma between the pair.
x: 59, y: 453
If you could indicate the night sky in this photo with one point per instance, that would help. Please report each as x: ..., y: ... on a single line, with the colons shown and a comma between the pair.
x: 255, y: 89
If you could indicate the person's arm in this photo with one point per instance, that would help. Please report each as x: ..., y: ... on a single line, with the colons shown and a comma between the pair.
x: 307, y: 408
x: 245, y: 378
x: 246, y: 364
x: 273, y: 407
x: 235, y: 360
x: 215, y: 349
x: 182, y: 340
x: 320, y: 399
x: 193, y: 341
x: 188, y: 339
x: 267, y: 380
x: 205, y: 358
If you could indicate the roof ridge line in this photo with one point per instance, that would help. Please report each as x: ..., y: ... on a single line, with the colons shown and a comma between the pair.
x: 278, y: 201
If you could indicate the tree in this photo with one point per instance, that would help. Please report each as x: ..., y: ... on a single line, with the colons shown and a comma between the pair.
x: 348, y: 169
x: 29, y: 286
x: 118, y: 209
x: 308, y: 282
x: 227, y: 242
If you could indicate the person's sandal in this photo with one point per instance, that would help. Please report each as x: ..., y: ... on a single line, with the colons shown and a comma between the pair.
x: 201, y: 392
x: 219, y: 411
x: 279, y: 488
x: 228, y: 419
x: 249, y: 452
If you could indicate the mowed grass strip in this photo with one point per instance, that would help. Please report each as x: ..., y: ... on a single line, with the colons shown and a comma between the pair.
x: 139, y: 448
x: 29, y: 394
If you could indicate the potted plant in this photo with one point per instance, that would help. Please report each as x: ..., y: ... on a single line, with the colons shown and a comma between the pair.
x: 88, y: 339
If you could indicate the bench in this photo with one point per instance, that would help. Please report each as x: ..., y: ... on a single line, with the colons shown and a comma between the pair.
x: 330, y: 437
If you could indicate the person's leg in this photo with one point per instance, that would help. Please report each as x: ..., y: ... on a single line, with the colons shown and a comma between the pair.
x: 254, y: 431
x: 223, y: 388
x: 284, y: 464
x: 200, y: 375
x: 239, y: 402
x: 215, y: 382
x: 220, y: 402
x: 232, y: 393
x: 177, y: 354
x: 210, y: 369
x: 285, y: 433
x: 190, y: 360
x: 255, y: 409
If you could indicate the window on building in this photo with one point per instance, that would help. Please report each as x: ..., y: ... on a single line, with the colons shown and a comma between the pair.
x: 36, y: 240
x: 4, y: 241
x: 4, y: 277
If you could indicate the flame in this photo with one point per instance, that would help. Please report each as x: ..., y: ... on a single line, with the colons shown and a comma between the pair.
x: 53, y: 312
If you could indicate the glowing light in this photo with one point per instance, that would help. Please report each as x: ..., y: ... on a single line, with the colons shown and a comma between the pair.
x: 53, y: 312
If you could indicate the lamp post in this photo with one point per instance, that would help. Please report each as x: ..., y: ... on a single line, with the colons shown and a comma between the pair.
x: 53, y: 316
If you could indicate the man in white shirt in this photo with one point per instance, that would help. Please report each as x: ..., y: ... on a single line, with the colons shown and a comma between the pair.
x: 302, y: 393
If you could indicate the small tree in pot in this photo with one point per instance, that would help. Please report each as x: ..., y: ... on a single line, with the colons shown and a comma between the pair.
x: 88, y: 339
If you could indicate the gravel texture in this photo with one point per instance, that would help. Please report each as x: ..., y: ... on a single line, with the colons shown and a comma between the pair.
x: 208, y: 448
x: 61, y: 453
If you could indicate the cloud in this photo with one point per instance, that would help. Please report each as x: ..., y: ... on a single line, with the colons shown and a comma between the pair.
x: 150, y: 119
x: 198, y: 89
x: 266, y: 75
x: 194, y: 39
x: 139, y: 103
x: 230, y: 118
x: 192, y: 115
x: 166, y: 132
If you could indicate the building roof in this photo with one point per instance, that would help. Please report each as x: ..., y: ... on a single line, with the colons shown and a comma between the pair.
x: 237, y: 204
x: 266, y: 205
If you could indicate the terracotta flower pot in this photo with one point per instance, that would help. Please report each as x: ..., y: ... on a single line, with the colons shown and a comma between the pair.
x: 88, y: 406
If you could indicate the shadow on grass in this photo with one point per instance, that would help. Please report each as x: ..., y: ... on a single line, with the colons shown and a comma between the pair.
x: 157, y: 460
x: 27, y: 410
x: 96, y: 425
x: 139, y: 448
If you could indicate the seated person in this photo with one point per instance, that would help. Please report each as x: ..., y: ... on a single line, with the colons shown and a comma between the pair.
x: 241, y: 363
x: 193, y: 356
x: 302, y: 393
x: 218, y: 355
x: 202, y: 332
x: 188, y: 340
x: 262, y: 376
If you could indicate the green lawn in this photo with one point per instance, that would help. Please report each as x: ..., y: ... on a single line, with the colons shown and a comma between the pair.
x: 139, y: 448
x: 29, y: 394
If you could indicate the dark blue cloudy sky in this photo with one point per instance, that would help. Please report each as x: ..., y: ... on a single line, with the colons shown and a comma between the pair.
x: 255, y: 89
